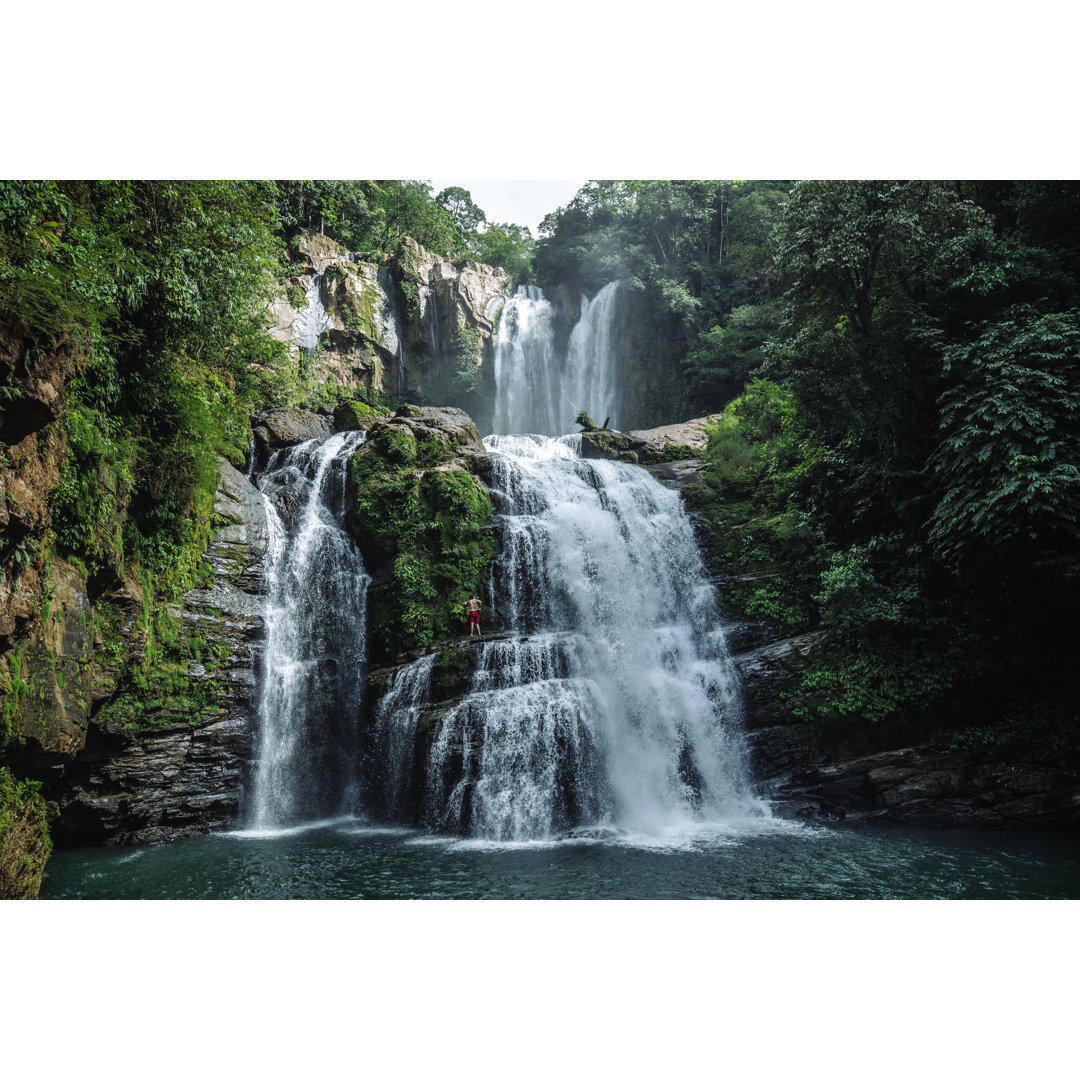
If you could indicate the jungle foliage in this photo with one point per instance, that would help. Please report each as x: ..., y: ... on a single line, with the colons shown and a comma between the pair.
x: 374, y: 217
x: 902, y: 470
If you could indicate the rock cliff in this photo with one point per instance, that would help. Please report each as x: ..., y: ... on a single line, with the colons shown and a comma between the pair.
x: 880, y: 772
x: 418, y: 326
x: 180, y: 768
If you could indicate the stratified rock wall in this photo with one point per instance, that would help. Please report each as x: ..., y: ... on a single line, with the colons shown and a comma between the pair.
x: 186, y: 774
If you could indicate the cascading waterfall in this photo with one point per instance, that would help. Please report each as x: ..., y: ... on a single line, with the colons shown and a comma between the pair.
x: 312, y: 679
x: 605, y: 701
x: 590, y: 375
x: 391, y: 333
x: 429, y: 316
x: 312, y: 319
x: 526, y: 367
x: 612, y: 701
x: 537, y: 388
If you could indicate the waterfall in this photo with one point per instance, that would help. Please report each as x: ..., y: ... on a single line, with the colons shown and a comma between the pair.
x: 312, y: 319
x: 311, y: 682
x: 526, y: 367
x: 540, y: 389
x: 590, y: 375
x: 391, y: 333
x: 429, y: 315
x: 608, y: 700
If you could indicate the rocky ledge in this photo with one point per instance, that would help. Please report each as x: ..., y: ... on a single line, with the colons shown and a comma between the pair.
x: 651, y: 446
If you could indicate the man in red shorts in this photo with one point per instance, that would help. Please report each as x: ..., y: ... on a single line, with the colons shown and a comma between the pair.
x: 474, y: 607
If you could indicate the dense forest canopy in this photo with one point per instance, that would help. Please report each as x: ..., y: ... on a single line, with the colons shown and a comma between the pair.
x: 895, y: 365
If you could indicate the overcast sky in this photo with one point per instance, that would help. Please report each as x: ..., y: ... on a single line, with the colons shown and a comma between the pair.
x: 522, y: 202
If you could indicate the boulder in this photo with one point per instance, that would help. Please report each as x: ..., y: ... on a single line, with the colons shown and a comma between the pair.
x: 356, y: 416
x: 672, y: 441
x: 278, y: 428
x: 452, y: 429
x: 653, y: 446
x: 609, y: 445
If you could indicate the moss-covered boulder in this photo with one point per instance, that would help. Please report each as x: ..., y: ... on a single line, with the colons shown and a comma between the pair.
x: 423, y: 521
x: 608, y: 444
x: 24, y: 837
x: 357, y: 415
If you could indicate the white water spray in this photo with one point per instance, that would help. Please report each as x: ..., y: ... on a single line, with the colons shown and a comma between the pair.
x: 312, y: 319
x: 312, y: 680
x: 540, y: 389
x: 612, y: 702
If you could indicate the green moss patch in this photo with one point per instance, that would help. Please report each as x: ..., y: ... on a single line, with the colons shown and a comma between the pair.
x: 24, y: 837
x: 424, y: 524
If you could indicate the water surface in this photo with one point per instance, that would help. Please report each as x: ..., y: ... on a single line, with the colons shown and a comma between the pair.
x: 350, y: 860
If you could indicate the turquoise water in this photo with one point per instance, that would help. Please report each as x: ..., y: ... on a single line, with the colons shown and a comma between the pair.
x: 348, y: 859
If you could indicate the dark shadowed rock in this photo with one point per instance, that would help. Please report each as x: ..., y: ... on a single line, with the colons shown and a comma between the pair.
x: 874, y: 771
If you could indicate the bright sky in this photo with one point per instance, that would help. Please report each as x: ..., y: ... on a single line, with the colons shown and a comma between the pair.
x: 521, y: 202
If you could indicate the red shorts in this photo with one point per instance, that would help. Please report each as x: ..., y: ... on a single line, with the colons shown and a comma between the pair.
x: 474, y: 617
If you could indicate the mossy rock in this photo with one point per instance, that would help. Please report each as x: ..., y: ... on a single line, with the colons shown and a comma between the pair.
x: 24, y: 837
x: 423, y: 521
x: 357, y: 415
x: 608, y: 445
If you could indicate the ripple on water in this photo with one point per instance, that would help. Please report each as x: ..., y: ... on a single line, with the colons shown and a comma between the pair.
x: 760, y: 859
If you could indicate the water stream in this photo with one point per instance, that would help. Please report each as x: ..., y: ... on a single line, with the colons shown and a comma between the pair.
x: 540, y: 388
x: 608, y: 702
x: 311, y: 677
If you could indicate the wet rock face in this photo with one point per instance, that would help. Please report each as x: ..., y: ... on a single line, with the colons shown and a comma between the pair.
x: 452, y: 667
x: 406, y: 326
x: 55, y: 669
x: 468, y: 293
x: 181, y: 782
x: 180, y: 779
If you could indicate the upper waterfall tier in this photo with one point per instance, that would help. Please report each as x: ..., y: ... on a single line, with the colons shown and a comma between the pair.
x: 539, y: 387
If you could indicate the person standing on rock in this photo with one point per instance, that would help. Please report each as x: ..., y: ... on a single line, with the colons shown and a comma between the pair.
x: 474, y: 606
